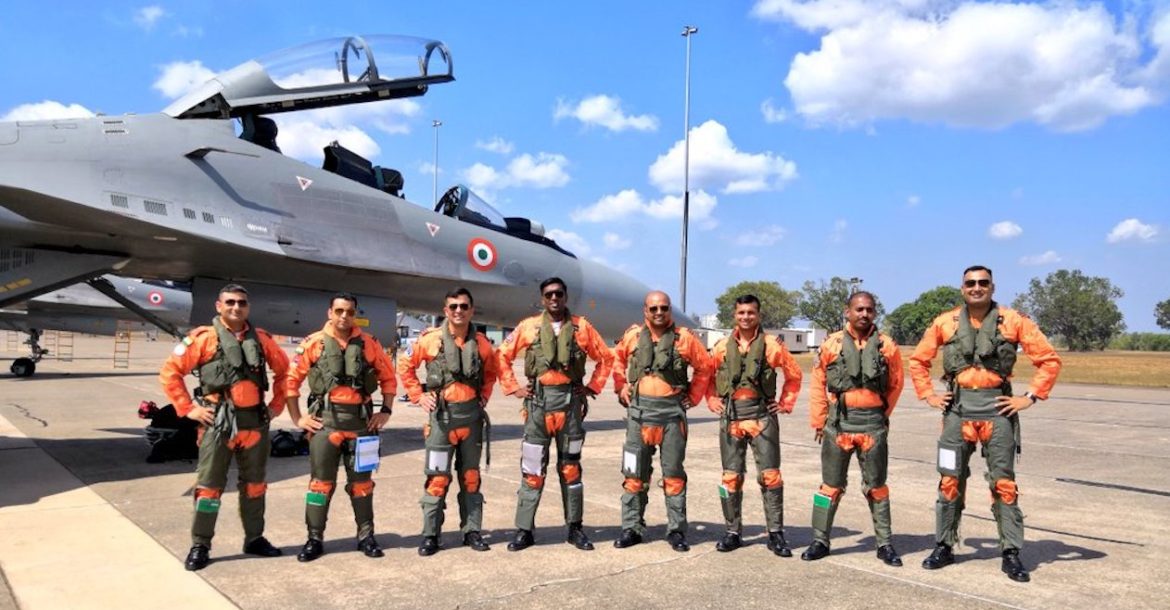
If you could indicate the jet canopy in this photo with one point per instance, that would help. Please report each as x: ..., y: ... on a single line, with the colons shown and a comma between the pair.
x: 327, y: 73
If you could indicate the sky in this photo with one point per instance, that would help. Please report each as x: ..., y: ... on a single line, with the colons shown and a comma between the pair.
x: 897, y: 141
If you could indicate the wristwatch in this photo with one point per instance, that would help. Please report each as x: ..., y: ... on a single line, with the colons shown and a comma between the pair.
x: 1030, y: 396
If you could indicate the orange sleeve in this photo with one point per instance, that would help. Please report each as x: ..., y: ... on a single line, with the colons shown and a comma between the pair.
x: 195, y: 349
x: 376, y: 354
x: 307, y: 353
x: 923, y: 354
x: 518, y: 339
x: 590, y: 340
x: 277, y: 360
x: 780, y: 358
x: 1042, y: 355
x: 818, y: 396
x: 718, y: 353
x: 621, y: 357
x: 408, y: 364
x: 694, y: 353
x: 897, y: 378
x: 491, y: 367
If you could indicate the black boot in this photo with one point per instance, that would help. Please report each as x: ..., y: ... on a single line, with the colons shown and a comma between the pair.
x: 197, y: 558
x: 889, y: 556
x: 628, y: 539
x: 310, y: 551
x: 578, y: 538
x: 1013, y: 567
x: 816, y: 550
x: 262, y: 547
x: 369, y: 547
x: 941, y: 557
x: 678, y: 541
x: 778, y: 545
x: 522, y: 541
x: 728, y: 543
x: 428, y: 546
x: 475, y: 541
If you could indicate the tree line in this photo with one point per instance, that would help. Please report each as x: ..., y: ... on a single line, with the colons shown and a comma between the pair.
x: 1075, y: 310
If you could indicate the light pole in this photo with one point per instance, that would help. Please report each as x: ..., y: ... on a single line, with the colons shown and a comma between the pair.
x: 688, y: 30
x: 436, y: 123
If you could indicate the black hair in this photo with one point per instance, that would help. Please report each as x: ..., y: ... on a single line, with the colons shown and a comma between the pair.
x: 553, y: 280
x: 748, y: 299
x: 458, y: 292
x: 977, y: 268
x: 233, y: 288
x: 345, y: 296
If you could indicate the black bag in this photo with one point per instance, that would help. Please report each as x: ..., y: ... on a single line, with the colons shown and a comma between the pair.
x: 170, y: 437
x: 284, y: 444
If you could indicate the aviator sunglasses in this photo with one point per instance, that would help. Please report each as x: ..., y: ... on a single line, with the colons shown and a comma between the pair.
x: 458, y: 306
x: 984, y: 283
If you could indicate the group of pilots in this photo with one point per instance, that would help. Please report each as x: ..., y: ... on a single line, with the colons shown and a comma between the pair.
x: 659, y: 371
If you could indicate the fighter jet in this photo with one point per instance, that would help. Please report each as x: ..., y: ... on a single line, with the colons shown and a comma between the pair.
x: 178, y: 195
x: 101, y: 306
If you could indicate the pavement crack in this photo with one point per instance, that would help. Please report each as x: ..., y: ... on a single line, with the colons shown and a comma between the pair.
x: 23, y: 411
x: 583, y: 579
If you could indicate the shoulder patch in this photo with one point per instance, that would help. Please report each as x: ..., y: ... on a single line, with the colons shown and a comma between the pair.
x: 511, y: 336
x: 181, y: 346
x: 300, y: 349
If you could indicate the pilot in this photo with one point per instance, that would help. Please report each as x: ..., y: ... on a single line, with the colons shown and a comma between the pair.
x: 979, y: 340
x: 556, y: 346
x: 855, y: 386
x: 461, y: 371
x: 231, y: 358
x: 744, y: 395
x: 650, y: 377
x: 345, y: 367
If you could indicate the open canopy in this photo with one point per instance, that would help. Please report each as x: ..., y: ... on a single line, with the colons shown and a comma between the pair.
x: 326, y: 73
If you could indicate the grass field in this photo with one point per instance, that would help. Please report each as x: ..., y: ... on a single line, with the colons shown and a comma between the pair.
x: 1147, y: 369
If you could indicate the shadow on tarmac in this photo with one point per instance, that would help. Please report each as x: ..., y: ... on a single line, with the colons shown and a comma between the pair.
x: 1035, y: 553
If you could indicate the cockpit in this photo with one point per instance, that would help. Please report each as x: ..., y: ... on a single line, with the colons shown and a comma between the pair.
x: 461, y: 203
x: 321, y: 74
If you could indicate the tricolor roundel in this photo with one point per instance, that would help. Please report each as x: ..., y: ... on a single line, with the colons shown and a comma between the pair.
x: 481, y: 254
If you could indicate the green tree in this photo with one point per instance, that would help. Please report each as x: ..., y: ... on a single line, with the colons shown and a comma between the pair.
x: 824, y: 305
x: 909, y: 321
x: 1078, y: 308
x: 777, y: 305
x: 1162, y: 314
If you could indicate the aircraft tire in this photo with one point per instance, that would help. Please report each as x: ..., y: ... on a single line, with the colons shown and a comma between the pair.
x: 23, y: 367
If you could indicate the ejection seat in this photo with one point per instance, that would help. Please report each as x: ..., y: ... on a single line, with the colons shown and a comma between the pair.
x: 261, y: 131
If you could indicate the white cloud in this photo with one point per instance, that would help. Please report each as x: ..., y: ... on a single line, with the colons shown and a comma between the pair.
x: 771, y: 113
x: 613, y: 241
x: 1065, y: 65
x: 604, y: 111
x: 183, y: 31
x: 545, y: 170
x: 496, y: 145
x: 765, y: 236
x: 570, y: 241
x: 1004, y: 230
x: 745, y: 262
x: 1131, y: 229
x: 913, y: 201
x: 304, y: 139
x: 179, y: 77
x: 716, y: 163
x: 1049, y: 257
x: 47, y: 110
x: 838, y: 234
x: 148, y: 16
x: 629, y: 202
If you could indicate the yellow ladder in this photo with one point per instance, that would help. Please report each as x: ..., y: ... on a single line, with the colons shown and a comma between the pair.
x: 49, y: 342
x: 65, y: 346
x: 121, y: 346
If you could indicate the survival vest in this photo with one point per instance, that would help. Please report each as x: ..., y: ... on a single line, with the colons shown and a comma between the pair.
x: 234, y: 361
x: 859, y: 369
x: 984, y: 348
x: 338, y: 367
x: 550, y: 351
x: 454, y: 364
x: 748, y: 370
x: 659, y: 359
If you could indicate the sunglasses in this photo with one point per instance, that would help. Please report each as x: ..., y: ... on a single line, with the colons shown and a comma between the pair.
x: 344, y: 312
x: 973, y: 283
x: 658, y: 309
x: 555, y: 294
x: 233, y: 302
x: 458, y: 306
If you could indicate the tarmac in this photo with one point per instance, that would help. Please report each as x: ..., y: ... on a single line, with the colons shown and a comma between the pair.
x: 86, y: 523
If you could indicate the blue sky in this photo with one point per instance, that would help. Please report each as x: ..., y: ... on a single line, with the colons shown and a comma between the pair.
x: 894, y: 140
